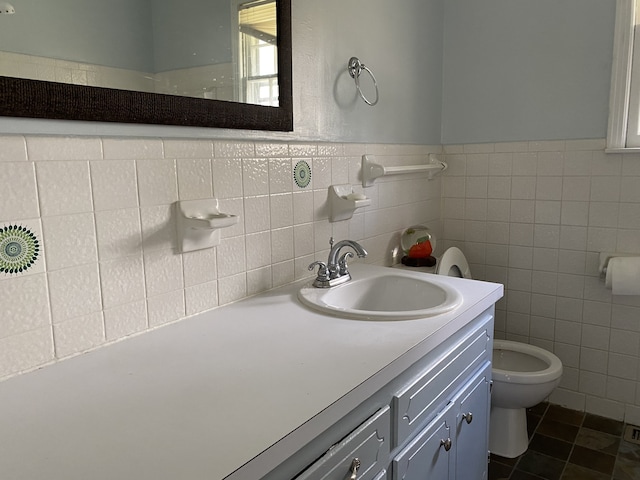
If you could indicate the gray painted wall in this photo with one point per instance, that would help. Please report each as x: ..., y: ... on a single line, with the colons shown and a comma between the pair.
x: 454, y: 71
x: 526, y: 70
x: 400, y: 41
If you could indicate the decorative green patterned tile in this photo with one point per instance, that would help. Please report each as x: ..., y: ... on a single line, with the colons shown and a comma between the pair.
x: 302, y: 174
x: 19, y: 249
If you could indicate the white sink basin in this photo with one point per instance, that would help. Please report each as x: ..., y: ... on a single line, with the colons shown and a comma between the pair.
x: 385, y: 296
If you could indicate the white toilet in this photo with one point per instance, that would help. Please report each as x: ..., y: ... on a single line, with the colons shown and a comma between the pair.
x: 523, y: 376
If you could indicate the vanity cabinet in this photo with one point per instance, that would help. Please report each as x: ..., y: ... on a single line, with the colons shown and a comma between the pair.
x: 265, y: 389
x: 455, y: 444
x: 435, y: 424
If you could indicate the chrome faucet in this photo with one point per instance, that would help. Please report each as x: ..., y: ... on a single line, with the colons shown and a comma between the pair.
x: 336, y: 271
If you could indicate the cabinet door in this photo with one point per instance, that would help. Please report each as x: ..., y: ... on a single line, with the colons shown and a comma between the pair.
x: 428, y: 456
x: 472, y: 427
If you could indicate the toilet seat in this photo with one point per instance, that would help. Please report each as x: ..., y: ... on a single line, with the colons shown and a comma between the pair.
x: 528, y: 375
x: 453, y: 263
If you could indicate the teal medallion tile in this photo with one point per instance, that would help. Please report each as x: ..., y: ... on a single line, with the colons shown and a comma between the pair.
x: 302, y: 174
x: 19, y: 249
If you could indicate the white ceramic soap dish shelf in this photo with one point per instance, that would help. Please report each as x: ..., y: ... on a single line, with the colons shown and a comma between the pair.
x: 343, y: 201
x: 199, y: 223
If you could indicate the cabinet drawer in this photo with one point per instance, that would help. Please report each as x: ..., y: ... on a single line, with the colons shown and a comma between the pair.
x: 369, y: 443
x: 418, y: 402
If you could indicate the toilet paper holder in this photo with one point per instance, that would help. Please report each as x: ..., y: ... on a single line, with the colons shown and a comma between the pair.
x: 606, y: 256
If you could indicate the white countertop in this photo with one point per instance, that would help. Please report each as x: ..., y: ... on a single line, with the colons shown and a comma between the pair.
x: 228, y: 393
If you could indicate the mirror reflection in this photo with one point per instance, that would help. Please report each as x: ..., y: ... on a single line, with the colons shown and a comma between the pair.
x: 211, y: 49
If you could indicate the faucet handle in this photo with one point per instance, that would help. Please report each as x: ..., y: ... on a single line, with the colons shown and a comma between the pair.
x: 342, y: 263
x: 323, y: 271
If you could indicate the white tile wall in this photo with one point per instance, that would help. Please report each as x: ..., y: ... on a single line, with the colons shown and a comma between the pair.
x: 103, y: 208
x: 532, y: 215
x: 64, y: 187
x: 551, y: 208
x: 114, y: 184
x: 18, y: 186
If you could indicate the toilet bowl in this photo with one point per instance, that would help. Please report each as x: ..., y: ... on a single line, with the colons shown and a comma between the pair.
x: 523, y: 376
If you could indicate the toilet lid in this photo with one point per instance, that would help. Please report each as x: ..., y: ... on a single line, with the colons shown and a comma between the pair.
x: 453, y: 264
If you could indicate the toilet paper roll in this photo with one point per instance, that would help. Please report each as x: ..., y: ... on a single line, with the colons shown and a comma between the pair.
x: 623, y: 276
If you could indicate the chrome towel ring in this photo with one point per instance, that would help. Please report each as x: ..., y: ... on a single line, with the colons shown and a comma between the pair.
x: 355, y: 67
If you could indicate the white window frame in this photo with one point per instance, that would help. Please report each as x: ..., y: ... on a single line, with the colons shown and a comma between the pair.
x: 624, y: 100
x: 251, y: 47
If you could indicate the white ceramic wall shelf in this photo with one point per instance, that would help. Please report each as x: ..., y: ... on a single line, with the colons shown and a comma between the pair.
x: 199, y: 223
x: 372, y: 170
x: 343, y: 201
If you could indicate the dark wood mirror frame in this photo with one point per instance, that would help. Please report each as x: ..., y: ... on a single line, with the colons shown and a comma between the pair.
x: 40, y: 99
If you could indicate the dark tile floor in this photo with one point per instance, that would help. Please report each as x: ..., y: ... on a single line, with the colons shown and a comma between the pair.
x: 569, y: 445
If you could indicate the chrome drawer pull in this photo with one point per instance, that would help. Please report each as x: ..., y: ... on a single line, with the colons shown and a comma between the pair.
x: 446, y: 444
x: 355, y: 465
x: 468, y: 417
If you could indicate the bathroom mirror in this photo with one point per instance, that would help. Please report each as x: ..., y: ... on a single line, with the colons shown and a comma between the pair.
x: 170, y: 62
